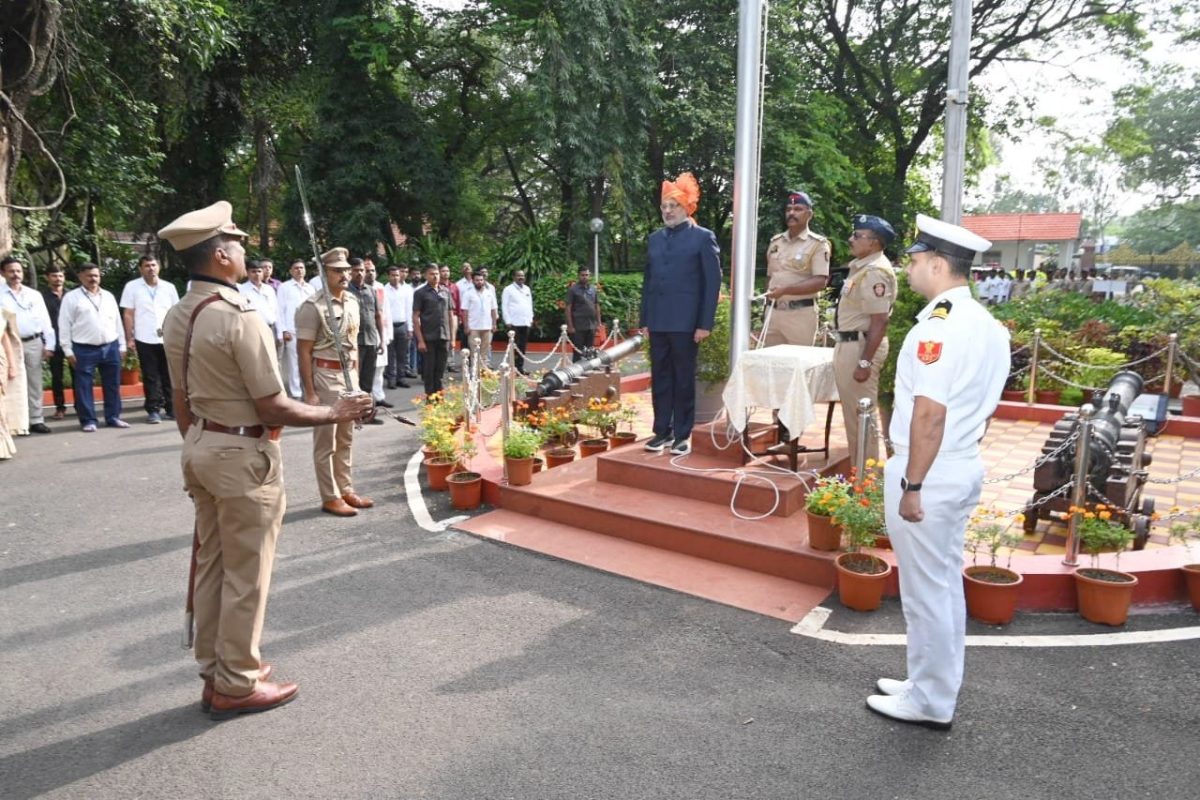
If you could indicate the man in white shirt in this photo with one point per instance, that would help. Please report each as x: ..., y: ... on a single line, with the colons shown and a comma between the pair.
x: 262, y: 297
x: 479, y: 308
x: 397, y: 297
x: 385, y: 333
x: 37, y: 336
x: 145, y: 302
x: 516, y: 307
x: 291, y: 294
x: 89, y: 323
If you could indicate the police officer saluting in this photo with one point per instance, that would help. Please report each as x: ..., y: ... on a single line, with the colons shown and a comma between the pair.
x: 948, y: 380
x: 230, y: 407
x: 797, y: 271
x: 863, y: 310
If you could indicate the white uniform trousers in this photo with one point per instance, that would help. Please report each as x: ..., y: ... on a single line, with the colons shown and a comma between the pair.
x: 930, y: 556
x: 290, y: 367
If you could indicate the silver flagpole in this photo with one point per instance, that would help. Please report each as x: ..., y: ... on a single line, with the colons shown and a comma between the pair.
x: 956, y: 112
x: 751, y: 14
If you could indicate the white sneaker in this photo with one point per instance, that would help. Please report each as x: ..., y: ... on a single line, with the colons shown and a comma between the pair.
x: 893, y: 687
x: 899, y: 709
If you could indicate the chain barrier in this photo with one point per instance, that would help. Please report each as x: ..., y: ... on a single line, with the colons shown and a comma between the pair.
x: 1055, y: 453
x: 1064, y: 381
x: 1177, y: 479
x: 1067, y: 359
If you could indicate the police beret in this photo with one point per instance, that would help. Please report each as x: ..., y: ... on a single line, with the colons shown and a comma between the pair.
x: 953, y: 240
x: 336, y: 258
x: 195, y: 227
x: 877, y: 225
x: 795, y: 197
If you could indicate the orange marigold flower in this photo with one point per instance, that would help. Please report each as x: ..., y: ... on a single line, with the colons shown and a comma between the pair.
x: 1105, y: 514
x: 865, y: 503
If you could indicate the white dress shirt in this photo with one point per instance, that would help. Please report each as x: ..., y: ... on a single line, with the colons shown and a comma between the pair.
x: 86, y: 318
x: 399, y: 303
x: 263, y: 300
x: 516, y: 305
x: 150, y: 305
x: 33, y: 317
x: 479, y: 306
x: 291, y: 294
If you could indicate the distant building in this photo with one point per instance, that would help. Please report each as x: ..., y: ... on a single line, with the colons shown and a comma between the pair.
x: 1016, y: 238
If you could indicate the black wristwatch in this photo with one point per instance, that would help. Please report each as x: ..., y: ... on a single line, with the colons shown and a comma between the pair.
x: 909, y: 487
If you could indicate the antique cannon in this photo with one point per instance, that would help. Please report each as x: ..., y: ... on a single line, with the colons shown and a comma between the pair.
x: 590, y: 377
x: 1117, y: 460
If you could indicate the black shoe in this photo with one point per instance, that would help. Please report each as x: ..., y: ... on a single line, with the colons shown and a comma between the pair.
x: 403, y: 385
x: 40, y: 427
x: 681, y: 447
x: 384, y: 404
x: 168, y: 415
x: 389, y: 385
x: 659, y: 443
x: 411, y: 374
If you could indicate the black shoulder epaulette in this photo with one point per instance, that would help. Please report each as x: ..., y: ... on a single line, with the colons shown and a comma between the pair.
x: 940, y: 311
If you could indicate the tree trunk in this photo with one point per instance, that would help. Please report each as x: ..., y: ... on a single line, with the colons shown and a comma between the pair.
x: 6, y: 235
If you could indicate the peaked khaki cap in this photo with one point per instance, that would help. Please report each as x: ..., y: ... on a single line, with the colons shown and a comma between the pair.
x: 336, y: 258
x: 195, y: 227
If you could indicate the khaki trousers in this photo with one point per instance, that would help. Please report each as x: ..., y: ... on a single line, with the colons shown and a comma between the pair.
x: 236, y: 484
x: 845, y: 360
x: 332, y: 443
x: 792, y: 326
x: 485, y: 345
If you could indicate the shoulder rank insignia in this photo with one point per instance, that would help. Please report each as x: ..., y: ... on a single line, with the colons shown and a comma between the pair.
x: 929, y: 352
x: 940, y: 311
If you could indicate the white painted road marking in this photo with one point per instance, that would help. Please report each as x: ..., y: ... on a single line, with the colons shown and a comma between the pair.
x: 416, y: 503
x: 813, y: 626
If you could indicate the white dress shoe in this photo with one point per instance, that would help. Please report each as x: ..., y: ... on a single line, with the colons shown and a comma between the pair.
x: 891, y: 686
x: 899, y: 709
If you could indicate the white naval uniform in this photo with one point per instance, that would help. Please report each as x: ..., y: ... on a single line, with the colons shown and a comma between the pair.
x: 958, y: 356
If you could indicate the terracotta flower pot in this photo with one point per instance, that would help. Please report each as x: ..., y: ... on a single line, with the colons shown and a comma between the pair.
x: 883, y: 542
x: 822, y: 533
x: 1191, y: 574
x: 1104, y: 594
x: 538, y: 464
x: 1048, y: 397
x: 520, y: 470
x: 621, y: 438
x: 437, y: 470
x: 590, y: 447
x: 860, y: 588
x: 466, y: 490
x: 1191, y: 405
x: 559, y: 456
x: 129, y: 377
x: 991, y: 593
x: 428, y: 453
x: 1012, y: 395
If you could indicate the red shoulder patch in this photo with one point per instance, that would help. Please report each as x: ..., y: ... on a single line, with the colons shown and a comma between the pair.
x: 929, y: 352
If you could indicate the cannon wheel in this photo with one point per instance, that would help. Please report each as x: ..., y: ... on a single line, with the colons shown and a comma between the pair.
x: 1141, y: 531
x: 1148, y: 506
x: 1031, y: 519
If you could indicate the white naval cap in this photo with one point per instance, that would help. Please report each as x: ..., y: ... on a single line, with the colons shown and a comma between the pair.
x: 195, y: 227
x: 953, y: 240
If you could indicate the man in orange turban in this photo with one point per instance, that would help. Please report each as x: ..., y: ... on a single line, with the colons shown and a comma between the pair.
x: 679, y: 302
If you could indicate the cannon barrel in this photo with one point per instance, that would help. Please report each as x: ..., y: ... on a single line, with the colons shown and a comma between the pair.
x: 562, y: 377
x: 1112, y: 406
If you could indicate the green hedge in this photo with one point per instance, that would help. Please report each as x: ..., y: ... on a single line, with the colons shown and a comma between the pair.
x: 620, y: 297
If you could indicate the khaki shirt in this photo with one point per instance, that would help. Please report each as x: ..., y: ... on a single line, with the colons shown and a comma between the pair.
x: 870, y: 288
x: 312, y: 325
x: 233, y: 357
x: 792, y: 260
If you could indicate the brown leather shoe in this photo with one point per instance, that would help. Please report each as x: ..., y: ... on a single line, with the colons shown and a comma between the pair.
x: 264, y: 673
x: 264, y: 697
x: 339, y: 508
x: 357, y: 501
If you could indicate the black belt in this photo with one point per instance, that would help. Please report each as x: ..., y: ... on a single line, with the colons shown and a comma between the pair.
x: 790, y: 304
x: 274, y: 432
x: 848, y: 336
x: 31, y: 338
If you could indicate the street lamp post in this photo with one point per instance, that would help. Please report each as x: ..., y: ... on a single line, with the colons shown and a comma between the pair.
x: 597, y: 226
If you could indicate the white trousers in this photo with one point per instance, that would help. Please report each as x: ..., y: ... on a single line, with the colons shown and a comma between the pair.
x: 930, y: 556
x: 290, y: 367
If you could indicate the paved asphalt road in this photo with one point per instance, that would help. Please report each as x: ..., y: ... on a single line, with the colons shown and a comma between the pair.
x: 441, y: 666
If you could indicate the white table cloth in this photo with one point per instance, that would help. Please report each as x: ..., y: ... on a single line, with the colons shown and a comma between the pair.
x: 788, y: 378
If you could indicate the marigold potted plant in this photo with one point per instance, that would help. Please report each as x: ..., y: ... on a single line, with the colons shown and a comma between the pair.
x: 466, y: 487
x: 129, y: 368
x: 991, y: 590
x: 862, y: 576
x: 437, y: 435
x: 600, y: 415
x: 1104, y: 594
x: 820, y: 504
x: 520, y: 446
x: 627, y: 413
x: 1185, y: 530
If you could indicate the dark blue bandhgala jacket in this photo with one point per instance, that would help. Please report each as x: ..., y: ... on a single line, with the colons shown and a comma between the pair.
x: 683, y: 277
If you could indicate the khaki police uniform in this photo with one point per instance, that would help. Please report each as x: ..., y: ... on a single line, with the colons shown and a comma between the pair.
x: 791, y: 260
x: 870, y: 288
x: 331, y: 443
x: 233, y: 470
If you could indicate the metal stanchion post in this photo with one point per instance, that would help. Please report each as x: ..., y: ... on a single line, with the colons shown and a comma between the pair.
x: 865, y: 409
x: 1079, y: 491
x: 564, y: 360
x: 1172, y: 344
x: 1033, y: 364
x: 506, y: 385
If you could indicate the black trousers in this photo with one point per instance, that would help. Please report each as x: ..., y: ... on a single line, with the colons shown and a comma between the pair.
x: 156, y: 378
x: 673, y: 382
x: 521, y: 340
x: 582, y: 338
x: 397, y: 354
x: 433, y: 364
x: 57, y: 362
x: 367, y: 356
